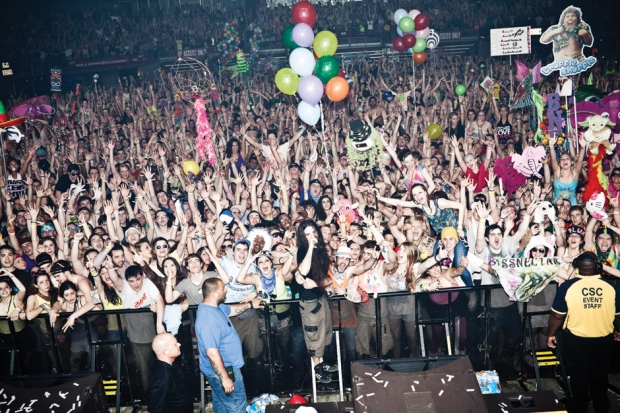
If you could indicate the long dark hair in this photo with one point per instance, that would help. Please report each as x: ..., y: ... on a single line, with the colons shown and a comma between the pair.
x: 319, y: 270
x: 33, y: 289
x: 321, y: 213
x: 229, y: 147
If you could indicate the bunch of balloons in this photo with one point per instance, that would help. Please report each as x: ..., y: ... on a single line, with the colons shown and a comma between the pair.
x: 228, y: 46
x: 413, y: 29
x: 315, y: 73
x: 257, y: 38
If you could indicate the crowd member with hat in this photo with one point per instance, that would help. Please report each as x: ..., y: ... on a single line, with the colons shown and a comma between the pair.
x: 575, y: 236
x: 587, y: 308
x: 603, y: 243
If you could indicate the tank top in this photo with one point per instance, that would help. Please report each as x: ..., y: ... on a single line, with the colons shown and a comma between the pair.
x: 38, y: 320
x: 112, y: 321
x: 279, y: 290
x: 442, y: 218
x: 414, y: 177
x: 565, y: 191
x: 504, y: 131
x: 4, y: 325
x: 442, y: 298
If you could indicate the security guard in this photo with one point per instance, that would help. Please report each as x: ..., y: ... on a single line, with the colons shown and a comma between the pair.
x: 589, y: 309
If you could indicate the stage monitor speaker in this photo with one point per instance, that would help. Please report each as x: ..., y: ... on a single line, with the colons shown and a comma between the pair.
x: 527, y: 402
x: 442, y: 385
x: 77, y: 395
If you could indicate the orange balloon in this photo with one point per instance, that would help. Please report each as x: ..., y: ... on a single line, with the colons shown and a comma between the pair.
x: 419, y: 57
x: 337, y: 89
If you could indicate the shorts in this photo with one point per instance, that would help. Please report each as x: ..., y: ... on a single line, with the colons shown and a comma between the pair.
x: 316, y: 319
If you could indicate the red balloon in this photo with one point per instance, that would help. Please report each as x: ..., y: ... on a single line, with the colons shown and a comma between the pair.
x: 297, y: 399
x: 422, y: 21
x: 341, y: 73
x: 315, y: 56
x: 399, y: 44
x: 304, y: 12
x: 419, y: 58
x: 409, y: 40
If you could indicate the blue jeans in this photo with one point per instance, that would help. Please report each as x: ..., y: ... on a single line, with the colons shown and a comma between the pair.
x: 235, y: 402
x: 460, y: 250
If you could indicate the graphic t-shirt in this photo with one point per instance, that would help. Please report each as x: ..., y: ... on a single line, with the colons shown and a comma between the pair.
x: 504, y: 131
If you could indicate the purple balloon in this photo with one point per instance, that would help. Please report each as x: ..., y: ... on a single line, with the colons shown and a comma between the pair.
x: 303, y: 35
x: 310, y: 89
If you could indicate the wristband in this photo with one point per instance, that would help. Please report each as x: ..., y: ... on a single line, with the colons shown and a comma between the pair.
x: 66, y: 240
x: 251, y: 304
x: 109, y: 247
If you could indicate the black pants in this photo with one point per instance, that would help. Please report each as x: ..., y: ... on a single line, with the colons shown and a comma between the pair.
x: 587, y: 362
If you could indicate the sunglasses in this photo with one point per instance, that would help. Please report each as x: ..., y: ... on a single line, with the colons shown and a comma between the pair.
x: 228, y: 246
x: 161, y: 216
x: 159, y: 247
x: 276, y: 235
x: 74, y: 174
x: 615, y: 175
x: 540, y: 250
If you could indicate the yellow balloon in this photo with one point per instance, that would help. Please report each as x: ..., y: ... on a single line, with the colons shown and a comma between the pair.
x: 287, y: 81
x: 325, y: 43
x: 191, y: 166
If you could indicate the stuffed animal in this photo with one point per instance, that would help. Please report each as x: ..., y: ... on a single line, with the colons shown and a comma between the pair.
x: 344, y: 206
x: 545, y: 208
x: 596, y: 206
x: 364, y: 146
x: 530, y: 162
x: 598, y: 133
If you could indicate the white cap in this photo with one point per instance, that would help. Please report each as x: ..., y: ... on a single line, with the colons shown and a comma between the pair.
x: 343, y: 252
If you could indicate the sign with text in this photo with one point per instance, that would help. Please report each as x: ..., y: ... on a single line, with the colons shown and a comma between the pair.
x: 450, y: 35
x: 192, y: 53
x: 569, y: 37
x: 511, y: 40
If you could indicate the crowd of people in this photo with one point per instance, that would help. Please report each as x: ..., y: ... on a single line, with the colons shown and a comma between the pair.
x: 98, y: 213
x: 58, y: 37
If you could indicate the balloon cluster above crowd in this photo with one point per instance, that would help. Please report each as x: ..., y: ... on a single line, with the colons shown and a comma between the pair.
x: 312, y: 73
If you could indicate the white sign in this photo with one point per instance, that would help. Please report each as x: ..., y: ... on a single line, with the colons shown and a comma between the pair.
x: 511, y: 40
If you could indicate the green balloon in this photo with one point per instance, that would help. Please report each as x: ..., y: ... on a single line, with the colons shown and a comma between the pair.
x: 460, y: 90
x: 420, y: 45
x: 287, y: 38
x: 325, y: 44
x: 287, y: 81
x: 326, y: 68
x: 406, y: 24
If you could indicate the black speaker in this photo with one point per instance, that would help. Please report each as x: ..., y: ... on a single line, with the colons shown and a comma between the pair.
x: 78, y: 395
x: 530, y: 402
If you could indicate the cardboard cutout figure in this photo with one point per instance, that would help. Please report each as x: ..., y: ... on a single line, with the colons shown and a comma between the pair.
x: 569, y: 37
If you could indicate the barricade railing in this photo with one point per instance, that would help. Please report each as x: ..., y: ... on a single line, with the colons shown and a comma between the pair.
x: 110, y: 351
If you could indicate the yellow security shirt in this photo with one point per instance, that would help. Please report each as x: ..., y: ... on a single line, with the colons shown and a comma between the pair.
x: 590, y: 305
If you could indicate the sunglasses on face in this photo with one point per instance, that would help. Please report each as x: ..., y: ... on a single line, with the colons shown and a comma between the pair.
x: 615, y: 175
x: 227, y: 246
x: 539, y: 250
x: 73, y: 174
x: 276, y: 235
x: 160, y: 216
x: 160, y: 247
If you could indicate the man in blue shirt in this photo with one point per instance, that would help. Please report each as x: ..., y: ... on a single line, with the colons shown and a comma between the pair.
x: 221, y: 357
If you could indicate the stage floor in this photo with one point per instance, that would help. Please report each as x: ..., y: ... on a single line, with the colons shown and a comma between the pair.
x: 511, y: 386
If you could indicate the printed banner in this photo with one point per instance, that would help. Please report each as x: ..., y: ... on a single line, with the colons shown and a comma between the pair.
x: 569, y: 37
x: 192, y: 53
x: 523, y: 278
x: 450, y: 35
x: 55, y: 79
x: 509, y: 41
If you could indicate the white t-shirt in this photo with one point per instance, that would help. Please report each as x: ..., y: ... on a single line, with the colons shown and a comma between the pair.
x: 282, y: 152
x: 499, y: 298
x: 235, y: 291
x: 144, y: 297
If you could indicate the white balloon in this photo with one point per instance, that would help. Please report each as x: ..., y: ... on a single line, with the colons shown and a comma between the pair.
x: 302, y: 61
x: 308, y: 113
x: 400, y: 32
x: 422, y: 34
x: 399, y: 14
x: 414, y: 13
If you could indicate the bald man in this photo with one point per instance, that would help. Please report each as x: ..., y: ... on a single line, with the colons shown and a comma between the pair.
x: 167, y: 389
